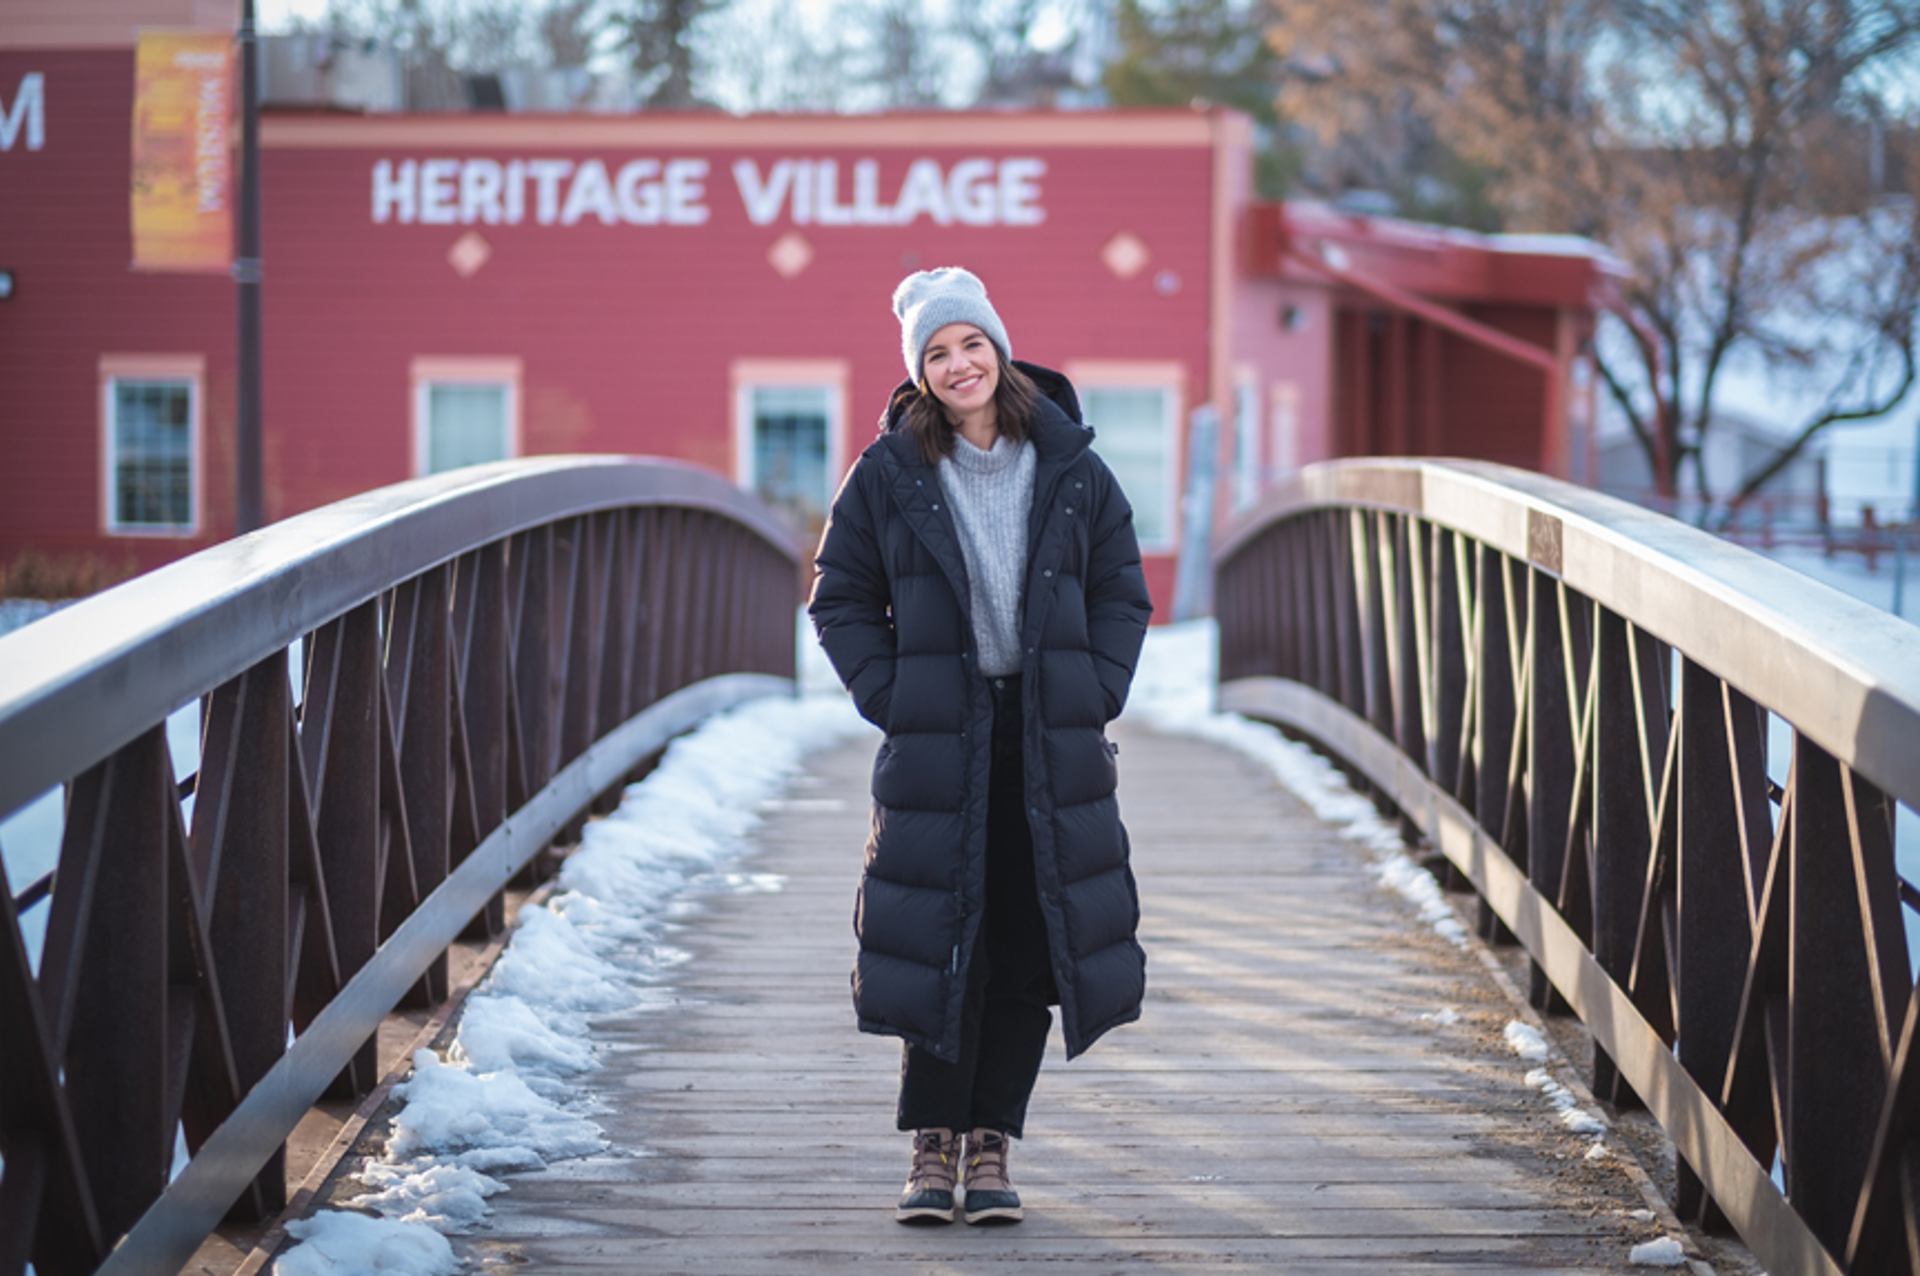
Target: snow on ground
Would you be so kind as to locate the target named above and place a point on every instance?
(1665, 1252)
(341, 1241)
(1819, 269)
(507, 1096)
(1419, 888)
(1525, 1040)
(1576, 1118)
(15, 612)
(1850, 574)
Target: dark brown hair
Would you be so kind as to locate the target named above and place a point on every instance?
(926, 417)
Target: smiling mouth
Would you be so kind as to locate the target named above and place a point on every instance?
(967, 383)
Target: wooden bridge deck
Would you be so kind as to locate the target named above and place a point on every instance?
(1282, 1106)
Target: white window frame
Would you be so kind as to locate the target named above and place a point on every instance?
(427, 371)
(190, 368)
(748, 375)
(1249, 478)
(1169, 376)
(1283, 430)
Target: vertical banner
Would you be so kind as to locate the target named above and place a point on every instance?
(183, 164)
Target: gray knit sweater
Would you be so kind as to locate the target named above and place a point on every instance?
(992, 494)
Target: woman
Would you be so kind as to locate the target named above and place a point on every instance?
(978, 590)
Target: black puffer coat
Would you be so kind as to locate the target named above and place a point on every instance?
(890, 603)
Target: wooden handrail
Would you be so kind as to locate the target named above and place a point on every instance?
(1576, 701)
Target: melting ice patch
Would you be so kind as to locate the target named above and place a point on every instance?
(1665, 1252)
(343, 1241)
(1525, 1040)
(552, 963)
(1418, 887)
(450, 1112)
(446, 1197)
(1576, 1118)
(501, 1033)
(507, 1097)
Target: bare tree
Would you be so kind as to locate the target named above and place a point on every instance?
(566, 31)
(999, 36)
(420, 31)
(904, 65)
(488, 35)
(1696, 138)
(893, 54)
(768, 55)
(471, 35)
(661, 41)
(410, 26)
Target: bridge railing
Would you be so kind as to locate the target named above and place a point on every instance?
(482, 655)
(1680, 774)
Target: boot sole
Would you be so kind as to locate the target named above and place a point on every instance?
(922, 1216)
(999, 1214)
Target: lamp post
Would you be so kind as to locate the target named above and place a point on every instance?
(246, 275)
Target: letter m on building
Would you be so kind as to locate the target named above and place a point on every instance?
(28, 110)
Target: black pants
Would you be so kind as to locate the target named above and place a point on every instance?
(1004, 1025)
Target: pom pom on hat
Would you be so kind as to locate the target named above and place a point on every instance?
(928, 300)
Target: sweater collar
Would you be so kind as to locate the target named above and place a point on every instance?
(1003, 457)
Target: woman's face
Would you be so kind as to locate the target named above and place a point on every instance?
(962, 368)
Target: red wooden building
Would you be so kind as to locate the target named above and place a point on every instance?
(441, 289)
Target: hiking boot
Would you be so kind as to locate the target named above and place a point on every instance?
(990, 1194)
(928, 1197)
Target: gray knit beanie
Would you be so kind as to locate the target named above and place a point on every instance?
(928, 300)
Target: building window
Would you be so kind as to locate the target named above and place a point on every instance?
(465, 412)
(787, 430)
(1246, 439)
(1284, 396)
(150, 410)
(1134, 410)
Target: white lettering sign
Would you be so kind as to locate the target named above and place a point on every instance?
(650, 192)
(210, 143)
(29, 111)
(974, 192)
